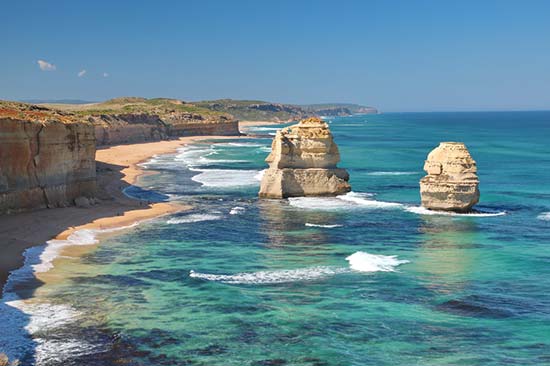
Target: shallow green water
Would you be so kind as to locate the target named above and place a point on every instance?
(255, 285)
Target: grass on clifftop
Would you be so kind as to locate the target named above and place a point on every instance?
(128, 105)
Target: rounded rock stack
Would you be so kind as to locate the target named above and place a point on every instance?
(452, 183)
(303, 162)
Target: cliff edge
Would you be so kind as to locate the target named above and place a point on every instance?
(47, 158)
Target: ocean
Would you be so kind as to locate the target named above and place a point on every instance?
(366, 278)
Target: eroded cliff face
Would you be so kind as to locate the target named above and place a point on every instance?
(47, 159)
(132, 120)
(303, 162)
(452, 183)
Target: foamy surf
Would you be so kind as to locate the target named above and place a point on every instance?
(351, 200)
(270, 277)
(29, 321)
(477, 213)
(358, 261)
(545, 216)
(227, 177)
(323, 226)
(366, 262)
(193, 218)
(237, 210)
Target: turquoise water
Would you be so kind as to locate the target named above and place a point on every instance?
(239, 281)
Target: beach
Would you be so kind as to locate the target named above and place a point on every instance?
(117, 168)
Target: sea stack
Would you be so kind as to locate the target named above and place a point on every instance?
(452, 183)
(303, 162)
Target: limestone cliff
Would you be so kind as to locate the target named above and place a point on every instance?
(452, 182)
(303, 162)
(133, 119)
(47, 158)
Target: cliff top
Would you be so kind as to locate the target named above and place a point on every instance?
(131, 105)
(33, 112)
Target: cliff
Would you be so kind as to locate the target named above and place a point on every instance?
(47, 158)
(303, 162)
(255, 110)
(132, 119)
(452, 182)
(338, 109)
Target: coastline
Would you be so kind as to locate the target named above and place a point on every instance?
(118, 168)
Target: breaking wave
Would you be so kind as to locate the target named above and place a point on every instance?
(350, 200)
(227, 177)
(545, 216)
(475, 213)
(324, 226)
(193, 218)
(237, 210)
(358, 261)
(271, 277)
(365, 262)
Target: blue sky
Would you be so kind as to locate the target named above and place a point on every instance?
(396, 55)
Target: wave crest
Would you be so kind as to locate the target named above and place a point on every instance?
(365, 262)
(476, 213)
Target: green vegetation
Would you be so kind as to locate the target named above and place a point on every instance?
(338, 109)
(136, 105)
(255, 110)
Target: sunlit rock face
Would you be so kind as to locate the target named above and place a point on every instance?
(452, 183)
(303, 162)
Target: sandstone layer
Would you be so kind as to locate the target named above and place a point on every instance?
(133, 119)
(452, 183)
(47, 158)
(303, 162)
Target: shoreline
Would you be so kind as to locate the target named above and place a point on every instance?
(117, 168)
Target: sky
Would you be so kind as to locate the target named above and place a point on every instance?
(408, 55)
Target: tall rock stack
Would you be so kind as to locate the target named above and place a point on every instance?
(303, 163)
(452, 182)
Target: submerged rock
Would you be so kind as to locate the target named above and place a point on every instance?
(303, 162)
(452, 182)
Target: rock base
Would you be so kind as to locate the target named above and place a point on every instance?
(283, 183)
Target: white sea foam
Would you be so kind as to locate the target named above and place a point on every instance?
(324, 226)
(226, 177)
(424, 211)
(545, 216)
(271, 277)
(193, 218)
(365, 262)
(260, 175)
(358, 261)
(351, 200)
(392, 173)
(237, 210)
(28, 317)
(266, 149)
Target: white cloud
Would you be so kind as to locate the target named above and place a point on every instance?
(105, 75)
(81, 73)
(46, 66)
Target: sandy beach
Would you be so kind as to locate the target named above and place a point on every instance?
(117, 168)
